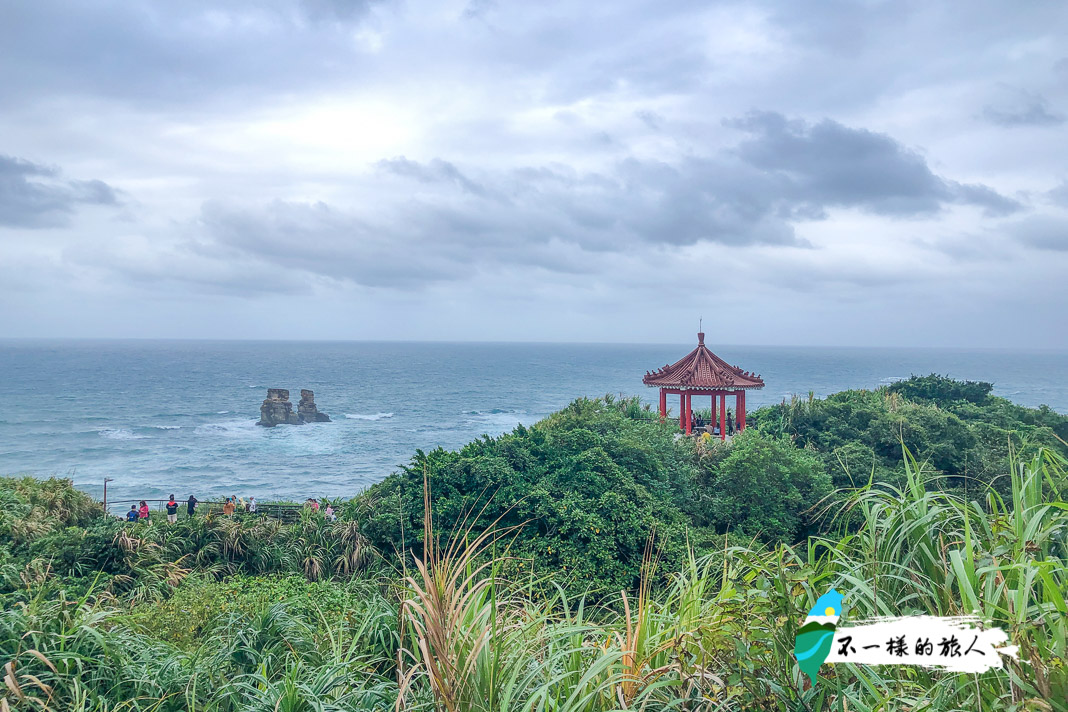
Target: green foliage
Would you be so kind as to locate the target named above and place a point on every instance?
(76, 546)
(763, 486)
(217, 614)
(716, 634)
(955, 426)
(942, 390)
(583, 490)
(191, 614)
(31, 508)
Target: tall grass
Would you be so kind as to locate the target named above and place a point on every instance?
(453, 636)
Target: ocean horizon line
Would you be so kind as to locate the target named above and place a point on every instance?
(4, 340)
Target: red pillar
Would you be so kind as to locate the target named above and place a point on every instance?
(682, 410)
(741, 410)
(713, 418)
(689, 414)
(663, 405)
(723, 416)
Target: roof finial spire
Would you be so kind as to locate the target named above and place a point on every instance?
(700, 331)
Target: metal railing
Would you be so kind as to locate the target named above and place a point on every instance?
(285, 512)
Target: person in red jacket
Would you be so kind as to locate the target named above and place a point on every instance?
(142, 513)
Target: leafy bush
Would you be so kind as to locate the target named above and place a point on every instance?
(966, 441)
(763, 486)
(942, 390)
(582, 491)
(716, 634)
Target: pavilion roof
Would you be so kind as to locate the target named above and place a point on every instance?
(702, 369)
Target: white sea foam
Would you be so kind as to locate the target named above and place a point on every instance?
(119, 434)
(498, 420)
(221, 412)
(167, 427)
(891, 379)
(229, 428)
(363, 416)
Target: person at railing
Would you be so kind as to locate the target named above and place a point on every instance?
(142, 513)
(228, 508)
(132, 515)
(191, 505)
(172, 510)
(251, 505)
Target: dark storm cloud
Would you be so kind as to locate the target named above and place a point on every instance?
(1044, 232)
(650, 118)
(343, 10)
(36, 196)
(477, 9)
(188, 55)
(435, 171)
(827, 164)
(318, 239)
(1059, 194)
(434, 221)
(497, 150)
(1035, 111)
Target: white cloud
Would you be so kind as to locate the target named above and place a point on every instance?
(845, 173)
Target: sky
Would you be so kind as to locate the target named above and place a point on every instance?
(833, 173)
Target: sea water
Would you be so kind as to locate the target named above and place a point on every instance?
(162, 417)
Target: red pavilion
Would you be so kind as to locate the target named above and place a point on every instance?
(702, 373)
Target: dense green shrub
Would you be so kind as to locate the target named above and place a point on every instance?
(583, 489)
(763, 486)
(717, 634)
(957, 427)
(942, 389)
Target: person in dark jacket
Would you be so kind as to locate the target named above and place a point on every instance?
(191, 505)
(172, 510)
(131, 516)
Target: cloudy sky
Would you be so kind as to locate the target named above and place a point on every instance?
(854, 173)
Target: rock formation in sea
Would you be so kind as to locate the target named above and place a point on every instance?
(277, 410)
(306, 410)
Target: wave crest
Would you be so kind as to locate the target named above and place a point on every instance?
(119, 434)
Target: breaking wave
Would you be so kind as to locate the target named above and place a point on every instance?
(229, 428)
(363, 416)
(120, 434)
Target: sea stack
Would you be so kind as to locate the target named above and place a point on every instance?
(277, 410)
(306, 410)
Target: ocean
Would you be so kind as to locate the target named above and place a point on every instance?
(162, 417)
